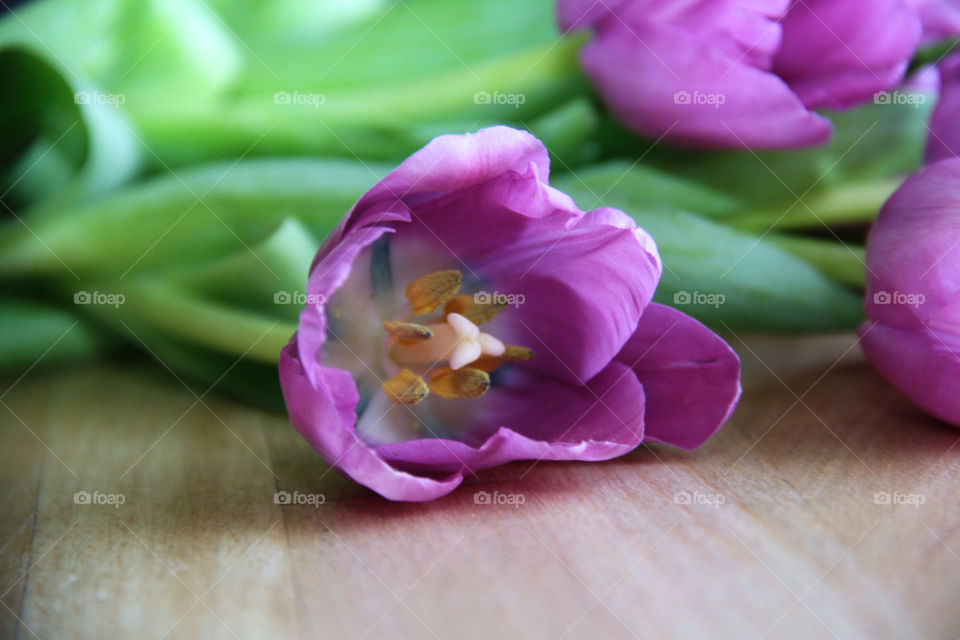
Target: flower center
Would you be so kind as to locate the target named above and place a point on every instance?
(449, 355)
(456, 340)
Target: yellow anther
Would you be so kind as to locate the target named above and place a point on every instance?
(428, 293)
(406, 388)
(459, 384)
(408, 332)
(475, 312)
(511, 354)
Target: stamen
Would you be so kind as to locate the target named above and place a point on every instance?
(475, 312)
(406, 388)
(451, 351)
(459, 384)
(407, 332)
(511, 353)
(428, 293)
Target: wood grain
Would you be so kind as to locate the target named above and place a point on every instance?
(782, 536)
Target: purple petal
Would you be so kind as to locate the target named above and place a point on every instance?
(690, 376)
(914, 249)
(575, 14)
(326, 277)
(840, 53)
(940, 18)
(453, 162)
(534, 417)
(568, 267)
(702, 80)
(324, 414)
(923, 363)
(944, 139)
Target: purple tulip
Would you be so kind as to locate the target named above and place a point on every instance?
(742, 73)
(944, 139)
(940, 18)
(912, 335)
(465, 314)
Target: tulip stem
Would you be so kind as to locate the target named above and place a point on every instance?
(851, 203)
(841, 262)
(241, 333)
(379, 122)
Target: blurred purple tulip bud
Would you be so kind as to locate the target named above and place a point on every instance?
(744, 73)
(912, 334)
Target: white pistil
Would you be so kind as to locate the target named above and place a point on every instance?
(457, 340)
(471, 343)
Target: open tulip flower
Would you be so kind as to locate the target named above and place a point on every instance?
(912, 335)
(465, 314)
(746, 73)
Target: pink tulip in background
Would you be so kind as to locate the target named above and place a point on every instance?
(739, 73)
(912, 335)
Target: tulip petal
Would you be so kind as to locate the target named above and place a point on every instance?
(575, 14)
(690, 376)
(920, 363)
(534, 417)
(696, 88)
(324, 414)
(839, 54)
(325, 279)
(940, 18)
(944, 139)
(574, 285)
(913, 249)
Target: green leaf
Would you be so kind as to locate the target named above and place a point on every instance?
(190, 218)
(269, 277)
(34, 333)
(61, 139)
(726, 278)
(872, 146)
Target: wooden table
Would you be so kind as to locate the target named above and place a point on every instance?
(775, 529)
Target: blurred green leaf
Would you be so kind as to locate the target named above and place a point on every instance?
(726, 278)
(268, 277)
(872, 145)
(59, 141)
(35, 333)
(240, 78)
(193, 217)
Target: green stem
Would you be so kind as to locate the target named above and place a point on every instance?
(376, 123)
(240, 333)
(843, 263)
(851, 203)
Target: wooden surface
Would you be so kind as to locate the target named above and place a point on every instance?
(782, 536)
